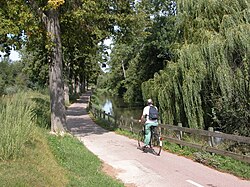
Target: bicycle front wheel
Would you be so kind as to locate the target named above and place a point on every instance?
(156, 144)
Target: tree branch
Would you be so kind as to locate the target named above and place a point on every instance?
(33, 4)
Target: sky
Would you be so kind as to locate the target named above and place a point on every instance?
(14, 55)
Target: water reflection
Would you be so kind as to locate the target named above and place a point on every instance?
(107, 107)
(118, 108)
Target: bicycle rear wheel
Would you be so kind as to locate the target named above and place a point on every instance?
(140, 139)
(156, 144)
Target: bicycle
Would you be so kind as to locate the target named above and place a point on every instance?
(155, 144)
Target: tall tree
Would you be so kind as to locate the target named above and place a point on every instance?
(207, 84)
(84, 24)
(142, 47)
(49, 14)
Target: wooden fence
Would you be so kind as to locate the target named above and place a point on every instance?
(209, 141)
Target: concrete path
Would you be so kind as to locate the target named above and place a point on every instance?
(132, 166)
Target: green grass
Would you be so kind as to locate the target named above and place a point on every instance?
(84, 168)
(44, 159)
(37, 166)
(17, 124)
(55, 161)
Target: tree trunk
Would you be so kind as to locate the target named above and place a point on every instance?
(58, 118)
(83, 84)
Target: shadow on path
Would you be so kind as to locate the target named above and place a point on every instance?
(78, 121)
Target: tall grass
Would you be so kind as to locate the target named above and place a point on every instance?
(17, 124)
(41, 159)
(42, 109)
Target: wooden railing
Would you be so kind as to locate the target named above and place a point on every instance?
(209, 141)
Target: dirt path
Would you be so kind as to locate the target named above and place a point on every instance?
(135, 168)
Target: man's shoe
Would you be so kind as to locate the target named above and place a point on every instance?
(145, 147)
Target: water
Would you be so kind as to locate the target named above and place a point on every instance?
(116, 107)
(108, 107)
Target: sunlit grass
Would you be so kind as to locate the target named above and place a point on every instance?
(36, 167)
(30, 156)
(17, 124)
(84, 168)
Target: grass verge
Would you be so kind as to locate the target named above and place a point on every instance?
(55, 161)
(37, 166)
(84, 168)
(32, 157)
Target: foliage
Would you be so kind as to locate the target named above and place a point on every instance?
(207, 83)
(20, 114)
(13, 15)
(40, 26)
(41, 109)
(12, 78)
(35, 67)
(84, 26)
(143, 49)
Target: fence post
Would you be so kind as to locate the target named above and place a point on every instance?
(93, 110)
(90, 103)
(179, 136)
(131, 124)
(180, 132)
(211, 138)
(104, 115)
(116, 124)
(121, 121)
(162, 131)
(108, 117)
(100, 113)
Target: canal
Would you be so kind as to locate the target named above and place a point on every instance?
(117, 107)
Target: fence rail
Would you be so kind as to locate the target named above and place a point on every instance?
(236, 138)
(211, 136)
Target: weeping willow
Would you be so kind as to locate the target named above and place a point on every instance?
(212, 69)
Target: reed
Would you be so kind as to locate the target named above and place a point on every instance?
(17, 124)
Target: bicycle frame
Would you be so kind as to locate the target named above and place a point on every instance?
(155, 140)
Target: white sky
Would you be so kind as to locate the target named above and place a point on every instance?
(14, 55)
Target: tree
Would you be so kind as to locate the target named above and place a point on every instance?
(50, 19)
(47, 12)
(41, 21)
(142, 47)
(207, 84)
(12, 78)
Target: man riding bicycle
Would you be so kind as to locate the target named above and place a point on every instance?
(149, 118)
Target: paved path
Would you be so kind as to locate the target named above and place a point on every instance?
(132, 166)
